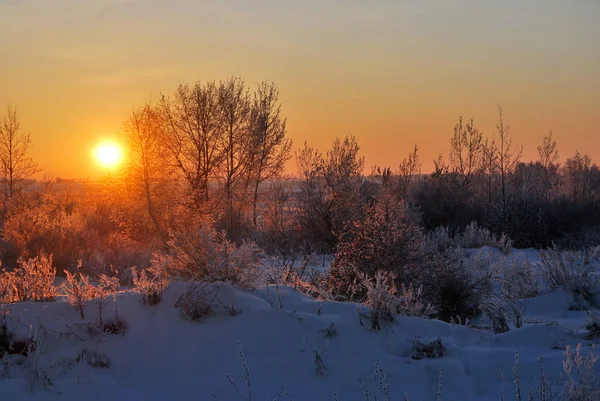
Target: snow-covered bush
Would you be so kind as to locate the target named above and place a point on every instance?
(93, 358)
(385, 239)
(426, 350)
(457, 286)
(204, 254)
(518, 278)
(593, 327)
(569, 270)
(194, 303)
(151, 283)
(473, 236)
(381, 299)
(106, 286)
(78, 290)
(33, 280)
(582, 381)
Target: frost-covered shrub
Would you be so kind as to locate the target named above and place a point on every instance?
(381, 300)
(93, 358)
(593, 327)
(385, 239)
(204, 254)
(473, 236)
(457, 286)
(582, 381)
(411, 302)
(194, 304)
(151, 283)
(518, 278)
(78, 290)
(42, 227)
(33, 280)
(569, 270)
(426, 350)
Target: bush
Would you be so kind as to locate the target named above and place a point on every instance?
(593, 327)
(582, 382)
(457, 286)
(79, 290)
(152, 282)
(380, 299)
(386, 239)
(426, 350)
(32, 280)
(569, 270)
(473, 236)
(203, 254)
(193, 304)
(93, 358)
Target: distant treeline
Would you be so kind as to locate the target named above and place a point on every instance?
(213, 153)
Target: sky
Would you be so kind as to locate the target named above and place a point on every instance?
(391, 73)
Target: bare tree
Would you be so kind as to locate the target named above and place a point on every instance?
(548, 159)
(465, 150)
(149, 170)
(508, 159)
(489, 166)
(409, 168)
(271, 148)
(193, 121)
(236, 143)
(16, 163)
(577, 171)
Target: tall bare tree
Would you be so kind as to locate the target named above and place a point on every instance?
(465, 150)
(489, 166)
(16, 164)
(149, 170)
(508, 159)
(548, 159)
(236, 143)
(271, 148)
(409, 168)
(194, 128)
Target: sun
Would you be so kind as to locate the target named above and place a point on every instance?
(108, 154)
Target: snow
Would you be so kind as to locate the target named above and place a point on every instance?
(164, 357)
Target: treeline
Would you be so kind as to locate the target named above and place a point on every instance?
(207, 161)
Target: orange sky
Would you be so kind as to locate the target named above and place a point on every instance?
(392, 73)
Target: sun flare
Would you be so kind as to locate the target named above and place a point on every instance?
(108, 154)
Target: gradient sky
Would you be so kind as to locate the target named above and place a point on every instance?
(392, 73)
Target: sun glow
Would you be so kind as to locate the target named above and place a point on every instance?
(108, 154)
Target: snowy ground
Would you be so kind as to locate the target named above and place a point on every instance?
(164, 357)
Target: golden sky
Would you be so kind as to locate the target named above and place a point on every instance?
(392, 73)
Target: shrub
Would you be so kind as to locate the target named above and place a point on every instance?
(593, 327)
(380, 299)
(457, 286)
(114, 326)
(518, 278)
(193, 304)
(426, 350)
(473, 236)
(582, 381)
(32, 280)
(106, 286)
(93, 358)
(385, 239)
(203, 254)
(79, 290)
(569, 270)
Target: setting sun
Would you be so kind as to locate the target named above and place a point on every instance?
(108, 154)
